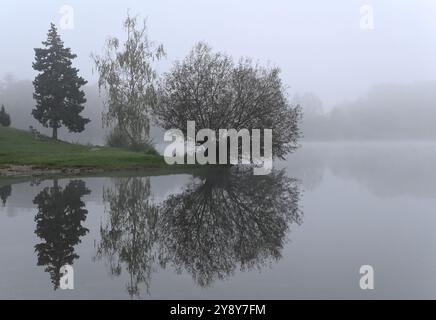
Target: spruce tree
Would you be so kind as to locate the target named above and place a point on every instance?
(58, 94)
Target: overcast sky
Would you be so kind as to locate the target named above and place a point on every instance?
(319, 45)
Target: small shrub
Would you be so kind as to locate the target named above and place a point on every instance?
(146, 147)
(117, 139)
(5, 119)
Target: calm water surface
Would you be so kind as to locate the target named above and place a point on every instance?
(302, 232)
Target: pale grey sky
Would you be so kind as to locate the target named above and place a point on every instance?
(318, 44)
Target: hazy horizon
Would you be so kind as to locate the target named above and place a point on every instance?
(320, 47)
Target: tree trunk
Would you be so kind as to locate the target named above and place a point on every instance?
(55, 133)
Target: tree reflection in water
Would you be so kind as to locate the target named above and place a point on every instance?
(61, 213)
(225, 220)
(129, 237)
(5, 193)
(228, 220)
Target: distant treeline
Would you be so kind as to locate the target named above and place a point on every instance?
(386, 112)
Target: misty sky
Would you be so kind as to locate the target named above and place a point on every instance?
(318, 44)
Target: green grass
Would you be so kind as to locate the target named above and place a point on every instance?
(22, 149)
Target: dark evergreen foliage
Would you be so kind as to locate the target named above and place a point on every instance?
(58, 94)
(5, 193)
(5, 119)
(61, 213)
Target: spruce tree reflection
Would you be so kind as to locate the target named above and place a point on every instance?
(5, 193)
(128, 240)
(61, 213)
(228, 220)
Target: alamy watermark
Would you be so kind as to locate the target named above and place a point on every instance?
(66, 281)
(66, 21)
(222, 148)
(367, 18)
(367, 278)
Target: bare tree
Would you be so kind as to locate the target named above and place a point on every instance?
(217, 93)
(128, 77)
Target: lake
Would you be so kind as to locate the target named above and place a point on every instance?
(302, 232)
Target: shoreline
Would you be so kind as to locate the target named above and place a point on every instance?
(23, 173)
(15, 171)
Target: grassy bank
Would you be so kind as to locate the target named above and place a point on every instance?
(20, 148)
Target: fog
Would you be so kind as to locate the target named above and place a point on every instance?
(353, 83)
(385, 112)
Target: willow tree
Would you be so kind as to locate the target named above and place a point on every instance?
(128, 79)
(129, 238)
